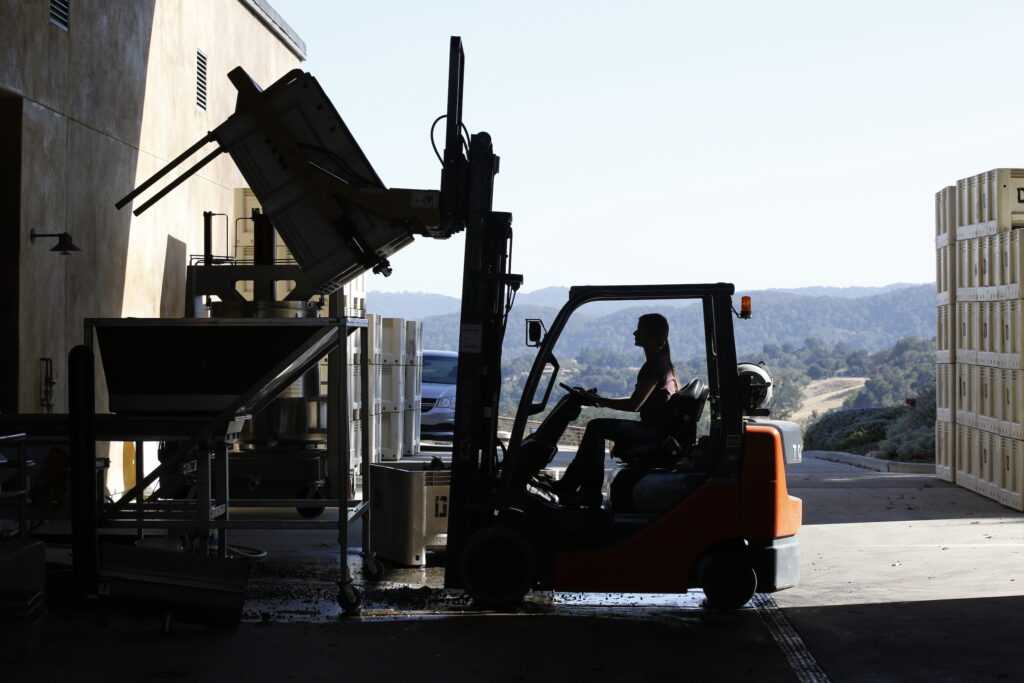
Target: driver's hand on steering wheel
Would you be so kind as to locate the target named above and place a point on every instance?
(588, 397)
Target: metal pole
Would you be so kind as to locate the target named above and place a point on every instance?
(179, 180)
(82, 440)
(140, 498)
(366, 413)
(23, 488)
(207, 238)
(223, 496)
(203, 497)
(164, 171)
(262, 254)
(338, 415)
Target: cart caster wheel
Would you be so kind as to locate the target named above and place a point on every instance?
(728, 579)
(310, 513)
(373, 570)
(499, 567)
(349, 600)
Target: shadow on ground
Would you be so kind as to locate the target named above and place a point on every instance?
(930, 641)
(641, 645)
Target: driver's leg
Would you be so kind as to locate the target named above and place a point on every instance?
(589, 455)
(621, 432)
(586, 471)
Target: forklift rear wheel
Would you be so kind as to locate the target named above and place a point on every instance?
(310, 513)
(499, 567)
(729, 580)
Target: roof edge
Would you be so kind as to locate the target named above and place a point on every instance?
(269, 17)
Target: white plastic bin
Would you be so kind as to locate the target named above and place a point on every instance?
(413, 342)
(411, 421)
(391, 443)
(408, 511)
(392, 341)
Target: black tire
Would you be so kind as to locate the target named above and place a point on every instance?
(499, 567)
(310, 513)
(729, 580)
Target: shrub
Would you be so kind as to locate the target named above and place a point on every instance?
(896, 432)
(855, 431)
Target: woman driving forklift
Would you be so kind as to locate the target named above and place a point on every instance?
(655, 384)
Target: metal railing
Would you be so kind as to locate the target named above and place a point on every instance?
(572, 436)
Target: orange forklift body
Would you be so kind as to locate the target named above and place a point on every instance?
(662, 557)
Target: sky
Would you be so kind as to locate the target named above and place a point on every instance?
(780, 144)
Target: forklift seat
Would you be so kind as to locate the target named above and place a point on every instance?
(685, 408)
(661, 490)
(653, 490)
(651, 483)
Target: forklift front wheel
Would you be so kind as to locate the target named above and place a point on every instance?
(499, 567)
(728, 579)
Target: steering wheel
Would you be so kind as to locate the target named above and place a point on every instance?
(584, 397)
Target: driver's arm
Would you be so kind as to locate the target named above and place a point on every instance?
(630, 404)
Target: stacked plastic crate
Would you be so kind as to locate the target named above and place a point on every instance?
(392, 394)
(946, 332)
(980, 425)
(371, 419)
(411, 409)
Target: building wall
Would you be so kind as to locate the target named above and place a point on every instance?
(104, 105)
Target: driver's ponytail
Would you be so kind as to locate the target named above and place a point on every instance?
(656, 326)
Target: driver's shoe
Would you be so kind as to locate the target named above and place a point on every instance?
(581, 499)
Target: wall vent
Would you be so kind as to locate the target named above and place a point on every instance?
(200, 80)
(60, 13)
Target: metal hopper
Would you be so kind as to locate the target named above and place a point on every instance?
(206, 366)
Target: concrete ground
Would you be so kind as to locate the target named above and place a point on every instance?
(904, 578)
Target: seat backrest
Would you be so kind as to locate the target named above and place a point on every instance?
(681, 414)
(686, 406)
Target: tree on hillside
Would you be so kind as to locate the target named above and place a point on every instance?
(907, 370)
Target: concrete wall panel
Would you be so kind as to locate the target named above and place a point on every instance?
(97, 166)
(108, 63)
(228, 34)
(41, 319)
(34, 61)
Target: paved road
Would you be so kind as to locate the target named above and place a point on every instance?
(904, 578)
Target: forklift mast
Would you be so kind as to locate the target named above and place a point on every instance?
(467, 189)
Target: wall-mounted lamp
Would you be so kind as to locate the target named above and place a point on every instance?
(64, 244)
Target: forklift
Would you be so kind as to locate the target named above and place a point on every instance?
(712, 512)
(709, 511)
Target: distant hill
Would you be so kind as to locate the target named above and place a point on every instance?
(869, 323)
(419, 305)
(845, 292)
(410, 305)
